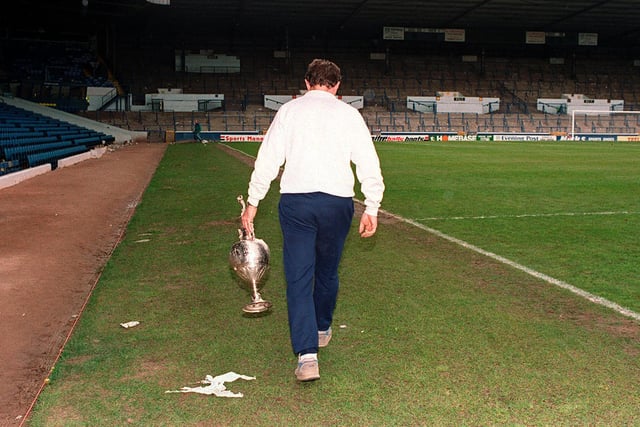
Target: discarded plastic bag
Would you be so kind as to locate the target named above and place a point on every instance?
(215, 385)
(131, 324)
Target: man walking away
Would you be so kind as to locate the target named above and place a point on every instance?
(317, 137)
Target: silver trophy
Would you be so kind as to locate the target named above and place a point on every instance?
(249, 258)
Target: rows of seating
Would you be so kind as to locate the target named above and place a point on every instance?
(9, 166)
(525, 79)
(52, 63)
(22, 152)
(29, 139)
(53, 156)
(518, 82)
(378, 118)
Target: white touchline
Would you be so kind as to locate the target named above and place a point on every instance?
(541, 215)
(584, 294)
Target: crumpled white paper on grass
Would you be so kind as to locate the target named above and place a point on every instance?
(215, 385)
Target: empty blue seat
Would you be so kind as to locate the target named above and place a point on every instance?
(29, 139)
(54, 155)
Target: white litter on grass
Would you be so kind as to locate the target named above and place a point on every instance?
(131, 324)
(215, 385)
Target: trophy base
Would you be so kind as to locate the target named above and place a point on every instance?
(257, 307)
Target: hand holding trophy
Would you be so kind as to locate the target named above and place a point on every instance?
(249, 258)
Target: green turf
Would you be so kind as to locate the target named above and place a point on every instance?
(426, 332)
(565, 209)
(569, 210)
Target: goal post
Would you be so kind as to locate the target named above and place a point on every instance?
(594, 113)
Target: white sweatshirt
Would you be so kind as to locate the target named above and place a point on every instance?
(317, 137)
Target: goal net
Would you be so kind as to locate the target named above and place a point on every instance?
(614, 122)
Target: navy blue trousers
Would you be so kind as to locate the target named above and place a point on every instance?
(314, 229)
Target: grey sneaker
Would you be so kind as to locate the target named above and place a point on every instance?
(307, 370)
(324, 337)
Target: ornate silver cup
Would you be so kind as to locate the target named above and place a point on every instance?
(249, 258)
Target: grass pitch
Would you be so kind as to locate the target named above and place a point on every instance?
(427, 332)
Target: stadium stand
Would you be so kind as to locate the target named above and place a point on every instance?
(55, 74)
(517, 81)
(520, 83)
(29, 139)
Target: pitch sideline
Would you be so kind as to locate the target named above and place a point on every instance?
(580, 292)
(540, 215)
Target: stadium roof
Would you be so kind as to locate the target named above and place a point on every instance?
(615, 21)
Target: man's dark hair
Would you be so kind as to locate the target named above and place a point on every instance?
(322, 72)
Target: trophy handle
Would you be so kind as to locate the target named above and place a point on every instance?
(240, 200)
(243, 234)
